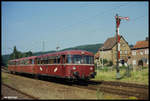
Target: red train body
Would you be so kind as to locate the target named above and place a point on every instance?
(72, 64)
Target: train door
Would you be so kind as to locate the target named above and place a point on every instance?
(63, 61)
(34, 69)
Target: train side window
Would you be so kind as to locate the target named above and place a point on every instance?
(57, 61)
(63, 57)
(46, 60)
(40, 61)
(21, 62)
(51, 61)
(32, 61)
(16, 62)
(26, 62)
(69, 59)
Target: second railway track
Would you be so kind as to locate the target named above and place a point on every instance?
(120, 88)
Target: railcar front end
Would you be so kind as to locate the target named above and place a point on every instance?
(80, 67)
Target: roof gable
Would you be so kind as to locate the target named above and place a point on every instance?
(110, 43)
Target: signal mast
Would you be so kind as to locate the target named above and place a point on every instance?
(118, 20)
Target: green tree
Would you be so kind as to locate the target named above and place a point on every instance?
(16, 54)
(105, 61)
(27, 54)
(110, 63)
(30, 53)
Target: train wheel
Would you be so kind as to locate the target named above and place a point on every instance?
(10, 72)
(36, 76)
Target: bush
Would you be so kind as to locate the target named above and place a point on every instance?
(105, 61)
(122, 67)
(110, 63)
(105, 69)
(144, 67)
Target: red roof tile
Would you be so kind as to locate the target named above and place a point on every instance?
(141, 44)
(109, 43)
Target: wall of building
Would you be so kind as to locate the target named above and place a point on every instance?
(125, 51)
(140, 54)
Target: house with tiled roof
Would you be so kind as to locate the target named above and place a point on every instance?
(108, 50)
(140, 53)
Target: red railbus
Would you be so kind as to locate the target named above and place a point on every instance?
(22, 65)
(71, 64)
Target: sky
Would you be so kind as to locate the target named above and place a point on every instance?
(42, 26)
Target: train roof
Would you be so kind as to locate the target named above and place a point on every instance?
(71, 52)
(24, 58)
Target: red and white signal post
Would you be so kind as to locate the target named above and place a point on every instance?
(118, 20)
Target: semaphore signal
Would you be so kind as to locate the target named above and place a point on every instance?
(118, 20)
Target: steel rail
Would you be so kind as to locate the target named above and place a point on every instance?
(19, 91)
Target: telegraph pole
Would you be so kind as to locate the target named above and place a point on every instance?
(57, 53)
(43, 46)
(118, 19)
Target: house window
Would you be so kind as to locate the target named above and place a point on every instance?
(125, 52)
(134, 62)
(146, 51)
(141, 53)
(133, 52)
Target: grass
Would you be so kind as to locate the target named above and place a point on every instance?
(5, 79)
(99, 94)
(140, 77)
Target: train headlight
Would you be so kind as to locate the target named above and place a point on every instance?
(91, 68)
(74, 68)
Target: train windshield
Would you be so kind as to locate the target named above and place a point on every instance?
(80, 59)
(88, 59)
(77, 59)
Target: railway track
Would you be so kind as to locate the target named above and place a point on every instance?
(119, 88)
(9, 92)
